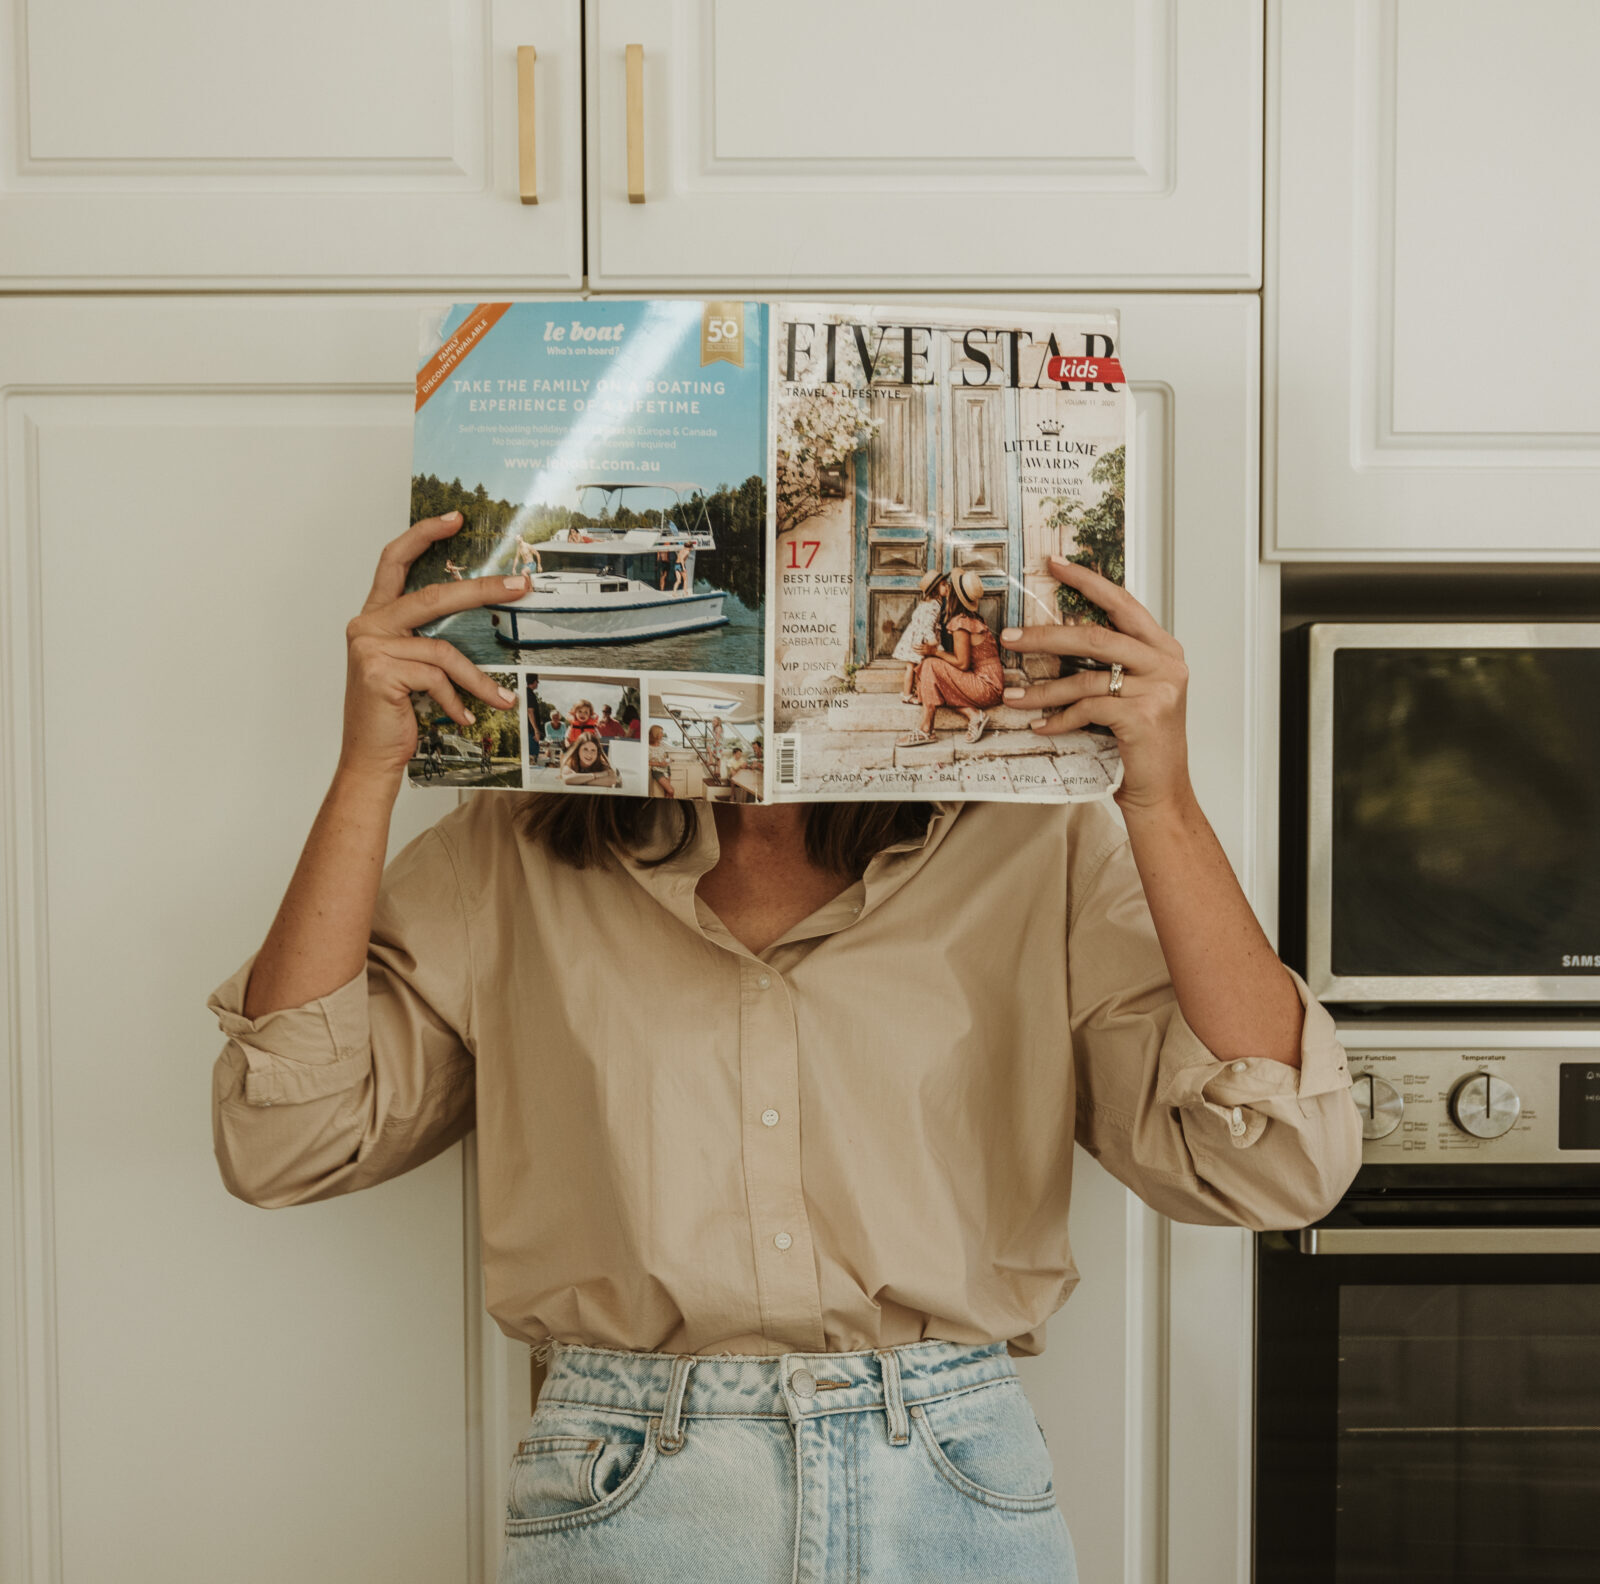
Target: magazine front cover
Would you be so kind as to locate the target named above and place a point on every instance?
(616, 452)
(925, 463)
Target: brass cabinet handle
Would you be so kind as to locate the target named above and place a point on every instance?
(636, 123)
(527, 165)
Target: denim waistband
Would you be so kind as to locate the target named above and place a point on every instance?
(796, 1386)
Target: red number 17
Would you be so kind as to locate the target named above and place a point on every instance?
(810, 545)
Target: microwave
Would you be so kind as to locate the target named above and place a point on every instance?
(1452, 811)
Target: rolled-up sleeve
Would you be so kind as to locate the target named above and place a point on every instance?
(366, 1082)
(1227, 1138)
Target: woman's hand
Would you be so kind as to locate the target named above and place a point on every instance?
(929, 648)
(388, 663)
(1146, 717)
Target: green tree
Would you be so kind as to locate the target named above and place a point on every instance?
(1100, 534)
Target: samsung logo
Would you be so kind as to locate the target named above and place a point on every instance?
(1581, 960)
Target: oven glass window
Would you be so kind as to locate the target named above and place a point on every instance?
(1468, 1434)
(1466, 812)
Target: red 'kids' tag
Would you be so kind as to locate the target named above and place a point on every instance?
(1093, 370)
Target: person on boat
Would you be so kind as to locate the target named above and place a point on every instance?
(555, 729)
(660, 764)
(583, 720)
(610, 726)
(681, 575)
(585, 763)
(781, 1198)
(458, 573)
(968, 676)
(527, 557)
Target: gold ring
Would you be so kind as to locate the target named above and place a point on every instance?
(1114, 686)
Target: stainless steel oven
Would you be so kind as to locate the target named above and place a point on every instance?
(1428, 1357)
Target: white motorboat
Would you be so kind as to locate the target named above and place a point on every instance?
(594, 584)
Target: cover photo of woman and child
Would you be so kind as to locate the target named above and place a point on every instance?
(584, 731)
(951, 655)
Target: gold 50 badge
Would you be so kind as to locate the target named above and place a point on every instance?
(722, 334)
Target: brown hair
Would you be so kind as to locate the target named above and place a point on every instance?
(840, 837)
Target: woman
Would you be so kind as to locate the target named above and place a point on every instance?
(585, 764)
(660, 764)
(780, 1215)
(968, 676)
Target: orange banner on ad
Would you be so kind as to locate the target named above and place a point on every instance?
(466, 336)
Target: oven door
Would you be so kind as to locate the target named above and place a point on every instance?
(1428, 1405)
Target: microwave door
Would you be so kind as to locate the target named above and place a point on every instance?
(1453, 821)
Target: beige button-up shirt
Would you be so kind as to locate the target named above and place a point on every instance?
(859, 1137)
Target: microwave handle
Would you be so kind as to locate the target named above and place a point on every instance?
(1450, 1240)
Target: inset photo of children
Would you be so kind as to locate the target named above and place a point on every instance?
(705, 740)
(487, 753)
(584, 731)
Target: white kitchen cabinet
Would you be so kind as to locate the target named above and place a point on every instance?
(926, 144)
(1432, 327)
(195, 493)
(187, 144)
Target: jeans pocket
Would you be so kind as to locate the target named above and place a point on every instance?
(577, 1473)
(987, 1443)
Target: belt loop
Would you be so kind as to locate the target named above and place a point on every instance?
(670, 1437)
(893, 1402)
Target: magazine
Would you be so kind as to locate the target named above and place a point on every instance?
(770, 547)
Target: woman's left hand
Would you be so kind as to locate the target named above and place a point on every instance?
(1146, 716)
(929, 648)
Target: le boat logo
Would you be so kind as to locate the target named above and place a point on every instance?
(1581, 960)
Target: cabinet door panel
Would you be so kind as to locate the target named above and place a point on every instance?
(927, 143)
(196, 491)
(190, 144)
(1433, 195)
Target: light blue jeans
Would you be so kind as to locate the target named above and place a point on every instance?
(920, 1464)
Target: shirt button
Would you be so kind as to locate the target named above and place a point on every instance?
(764, 981)
(1239, 1066)
(783, 1240)
(1236, 1121)
(770, 1117)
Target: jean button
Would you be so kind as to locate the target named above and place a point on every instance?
(803, 1383)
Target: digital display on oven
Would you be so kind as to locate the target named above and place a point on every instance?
(1465, 835)
(1580, 1105)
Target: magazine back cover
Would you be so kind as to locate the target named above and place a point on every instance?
(614, 451)
(925, 463)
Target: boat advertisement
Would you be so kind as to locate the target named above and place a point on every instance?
(613, 452)
(775, 551)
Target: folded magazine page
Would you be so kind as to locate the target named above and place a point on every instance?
(925, 464)
(616, 452)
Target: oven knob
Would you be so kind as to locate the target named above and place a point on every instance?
(1379, 1103)
(1484, 1106)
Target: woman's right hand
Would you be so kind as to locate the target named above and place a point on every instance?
(388, 663)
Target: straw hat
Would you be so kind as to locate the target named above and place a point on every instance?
(927, 580)
(969, 588)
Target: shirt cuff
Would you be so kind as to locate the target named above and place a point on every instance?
(296, 1053)
(1229, 1087)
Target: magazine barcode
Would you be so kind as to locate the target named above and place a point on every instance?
(789, 761)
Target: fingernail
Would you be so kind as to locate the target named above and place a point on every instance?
(472, 720)
(1037, 725)
(1015, 692)
(450, 516)
(1010, 635)
(507, 696)
(520, 581)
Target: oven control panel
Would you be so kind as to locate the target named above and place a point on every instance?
(1449, 1104)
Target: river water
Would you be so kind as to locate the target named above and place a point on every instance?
(735, 649)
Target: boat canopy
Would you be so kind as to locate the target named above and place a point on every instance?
(711, 706)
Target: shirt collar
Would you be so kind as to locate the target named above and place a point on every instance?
(672, 883)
